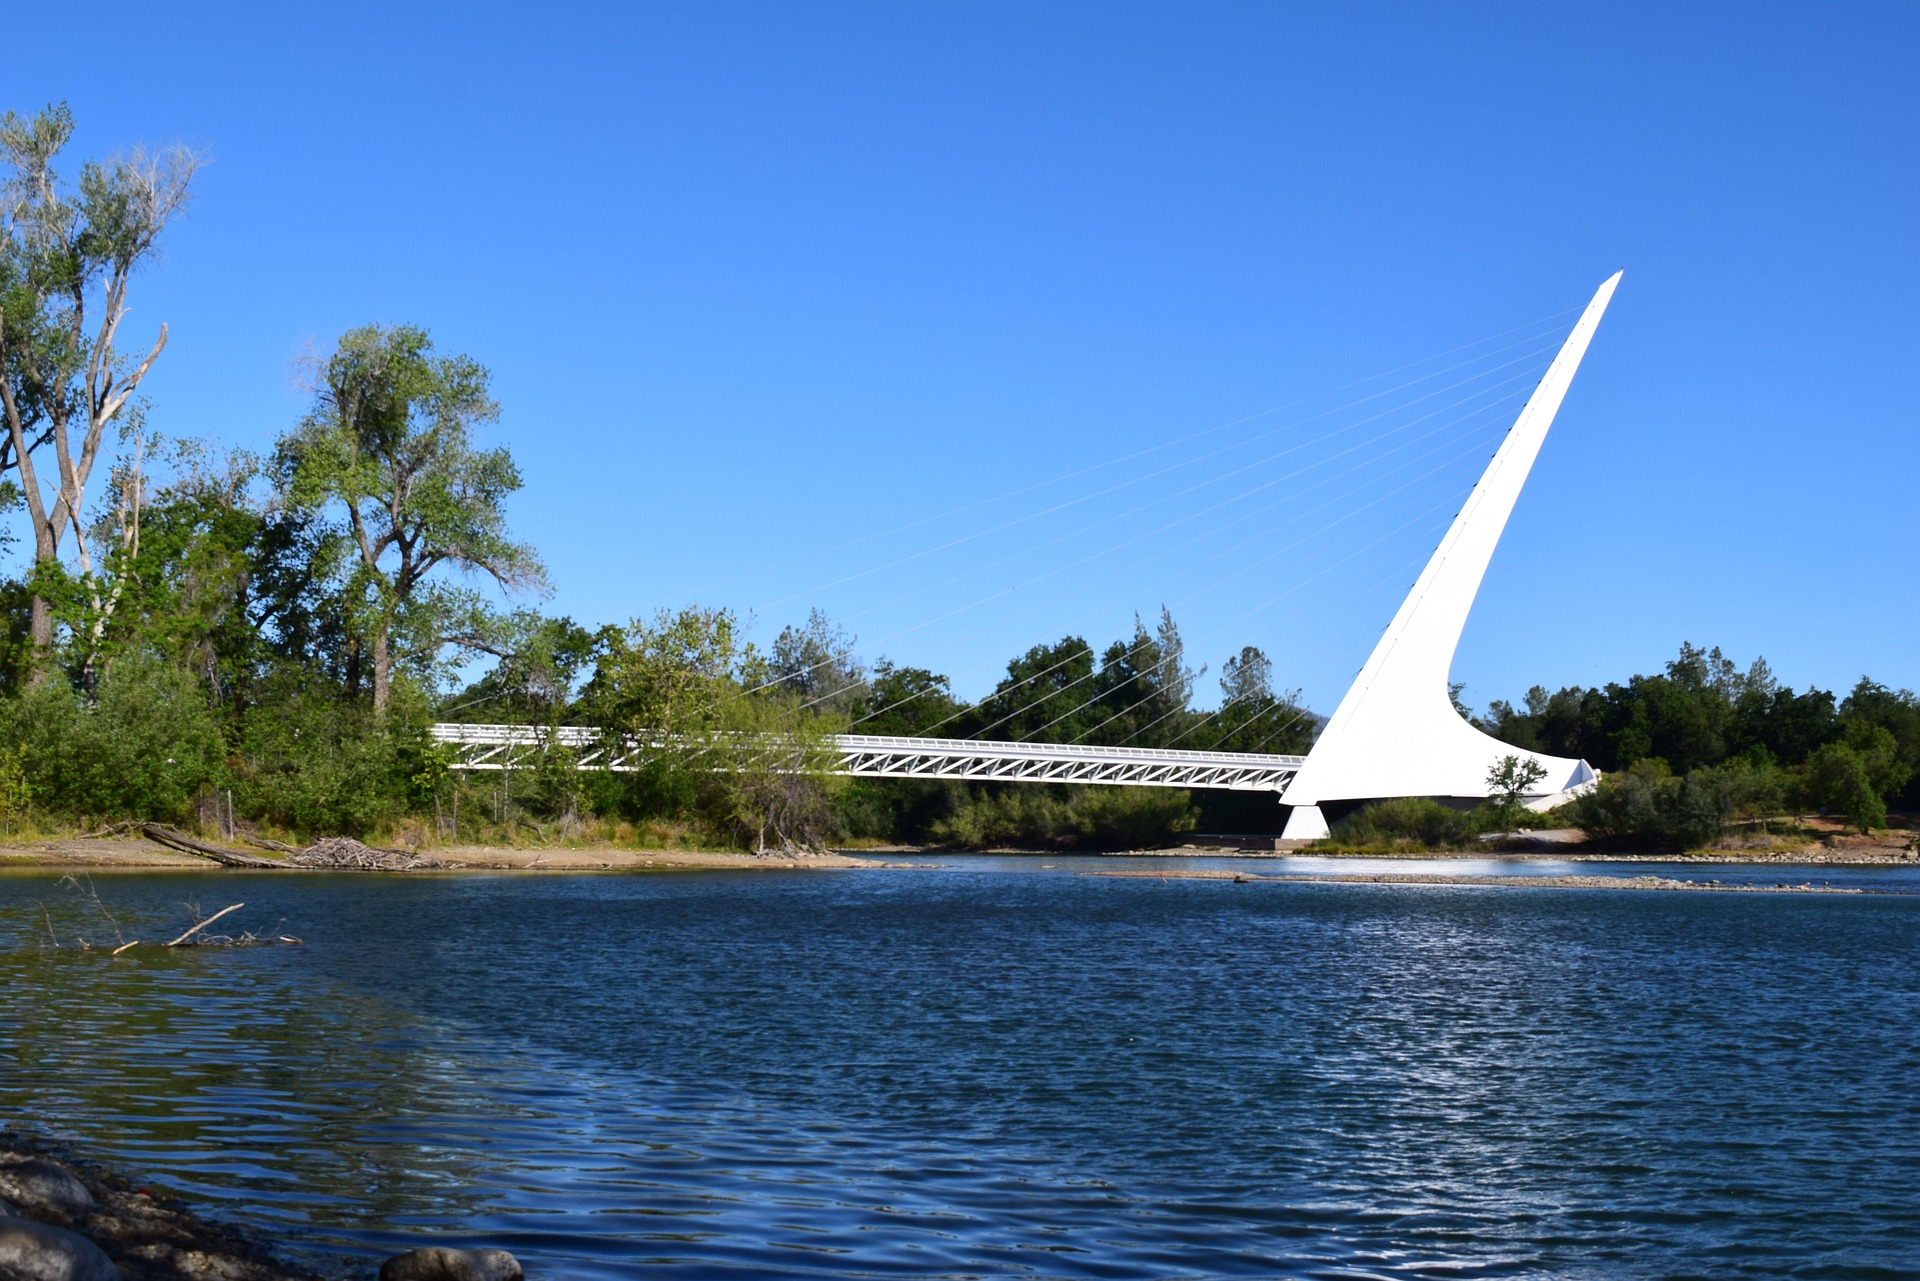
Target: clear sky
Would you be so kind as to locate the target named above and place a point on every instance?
(760, 282)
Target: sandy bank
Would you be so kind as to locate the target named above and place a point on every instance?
(143, 855)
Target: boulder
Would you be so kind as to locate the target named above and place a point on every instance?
(41, 1252)
(443, 1263)
(40, 1186)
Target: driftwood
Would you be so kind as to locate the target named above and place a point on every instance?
(204, 924)
(329, 853)
(178, 840)
(343, 853)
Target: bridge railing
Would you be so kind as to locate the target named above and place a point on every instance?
(495, 747)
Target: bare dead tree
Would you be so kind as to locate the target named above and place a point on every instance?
(68, 254)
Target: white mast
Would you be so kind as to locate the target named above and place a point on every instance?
(1396, 733)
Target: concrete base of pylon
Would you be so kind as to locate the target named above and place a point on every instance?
(1304, 823)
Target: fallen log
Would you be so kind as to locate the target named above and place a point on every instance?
(172, 839)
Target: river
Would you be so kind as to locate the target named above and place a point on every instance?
(1001, 1068)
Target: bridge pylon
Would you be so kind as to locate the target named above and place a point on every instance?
(1396, 732)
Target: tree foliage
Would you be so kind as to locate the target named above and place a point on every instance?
(387, 452)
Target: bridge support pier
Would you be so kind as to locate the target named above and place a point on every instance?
(1304, 823)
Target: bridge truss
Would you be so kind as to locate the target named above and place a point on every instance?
(498, 747)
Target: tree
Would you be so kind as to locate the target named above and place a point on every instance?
(817, 662)
(1840, 778)
(908, 701)
(1246, 677)
(1251, 717)
(1897, 712)
(541, 661)
(389, 443)
(771, 774)
(667, 675)
(1143, 689)
(1041, 698)
(175, 582)
(67, 258)
(720, 736)
(15, 790)
(1509, 781)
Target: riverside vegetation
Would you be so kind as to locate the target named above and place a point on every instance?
(213, 636)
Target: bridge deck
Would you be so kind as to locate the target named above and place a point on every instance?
(493, 747)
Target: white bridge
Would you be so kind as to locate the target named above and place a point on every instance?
(1395, 733)
(498, 747)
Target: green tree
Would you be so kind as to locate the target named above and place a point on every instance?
(1898, 713)
(1251, 717)
(771, 772)
(177, 581)
(1043, 696)
(1246, 677)
(1840, 779)
(389, 445)
(665, 682)
(718, 735)
(68, 255)
(1509, 782)
(817, 662)
(16, 792)
(906, 701)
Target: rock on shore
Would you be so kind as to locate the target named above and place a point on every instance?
(76, 1221)
(65, 1219)
(35, 1251)
(439, 1263)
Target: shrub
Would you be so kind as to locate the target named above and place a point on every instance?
(1648, 806)
(144, 748)
(321, 766)
(1404, 821)
(1067, 818)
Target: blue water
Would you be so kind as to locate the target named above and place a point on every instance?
(1000, 1068)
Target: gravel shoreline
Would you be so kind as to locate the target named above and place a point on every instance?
(1529, 882)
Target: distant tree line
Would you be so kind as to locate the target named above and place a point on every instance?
(1707, 743)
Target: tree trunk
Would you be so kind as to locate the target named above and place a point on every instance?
(40, 627)
(382, 672)
(42, 633)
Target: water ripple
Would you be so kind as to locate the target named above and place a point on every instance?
(997, 1073)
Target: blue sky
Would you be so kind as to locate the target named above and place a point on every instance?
(770, 289)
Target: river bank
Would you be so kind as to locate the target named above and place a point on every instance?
(1892, 849)
(146, 1236)
(137, 854)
